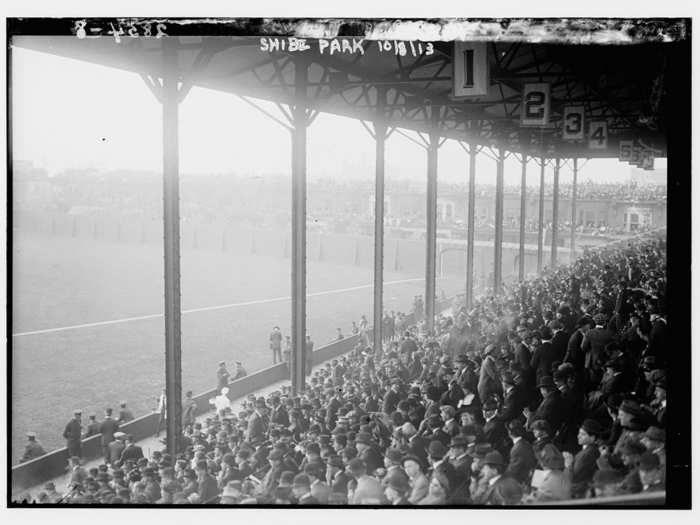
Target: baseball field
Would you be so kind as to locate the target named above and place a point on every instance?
(87, 329)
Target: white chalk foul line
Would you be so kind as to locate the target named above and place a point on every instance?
(205, 309)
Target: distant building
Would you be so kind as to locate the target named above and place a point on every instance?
(31, 186)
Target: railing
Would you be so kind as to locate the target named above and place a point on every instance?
(627, 500)
(53, 464)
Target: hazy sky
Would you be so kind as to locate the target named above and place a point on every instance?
(70, 114)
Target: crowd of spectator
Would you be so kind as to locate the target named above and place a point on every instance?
(551, 391)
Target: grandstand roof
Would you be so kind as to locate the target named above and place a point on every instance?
(623, 82)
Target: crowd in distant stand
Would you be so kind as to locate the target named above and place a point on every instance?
(553, 390)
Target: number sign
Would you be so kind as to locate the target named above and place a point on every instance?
(636, 157)
(598, 135)
(535, 105)
(470, 68)
(573, 124)
(625, 150)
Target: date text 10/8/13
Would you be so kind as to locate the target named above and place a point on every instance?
(346, 45)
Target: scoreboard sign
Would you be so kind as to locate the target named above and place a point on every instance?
(625, 150)
(598, 134)
(636, 157)
(470, 68)
(647, 160)
(636, 154)
(573, 125)
(535, 105)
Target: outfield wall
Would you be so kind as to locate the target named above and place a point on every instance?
(400, 255)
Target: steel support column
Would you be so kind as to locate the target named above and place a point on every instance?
(523, 216)
(574, 197)
(540, 221)
(380, 129)
(171, 247)
(299, 119)
(471, 212)
(498, 240)
(555, 213)
(431, 231)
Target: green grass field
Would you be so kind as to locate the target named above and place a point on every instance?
(60, 282)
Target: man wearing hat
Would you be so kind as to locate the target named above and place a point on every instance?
(574, 353)
(93, 427)
(631, 453)
(240, 371)
(514, 399)
(654, 439)
(301, 488)
(492, 470)
(613, 381)
(466, 376)
(125, 415)
(522, 457)
(631, 418)
(367, 452)
(189, 408)
(594, 344)
(584, 464)
(556, 483)
(276, 344)
(73, 434)
(53, 495)
(397, 491)
(152, 490)
(320, 490)
(283, 491)
(78, 474)
(658, 405)
(415, 444)
(336, 476)
(278, 413)
(257, 422)
(368, 491)
(560, 338)
(551, 409)
(207, 488)
(269, 482)
(606, 483)
(32, 449)
(222, 376)
(450, 427)
(107, 428)
(392, 397)
(131, 450)
(544, 355)
(190, 485)
(495, 429)
(506, 492)
(116, 447)
(489, 382)
(436, 453)
(392, 464)
(461, 462)
(542, 432)
(650, 473)
(417, 479)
